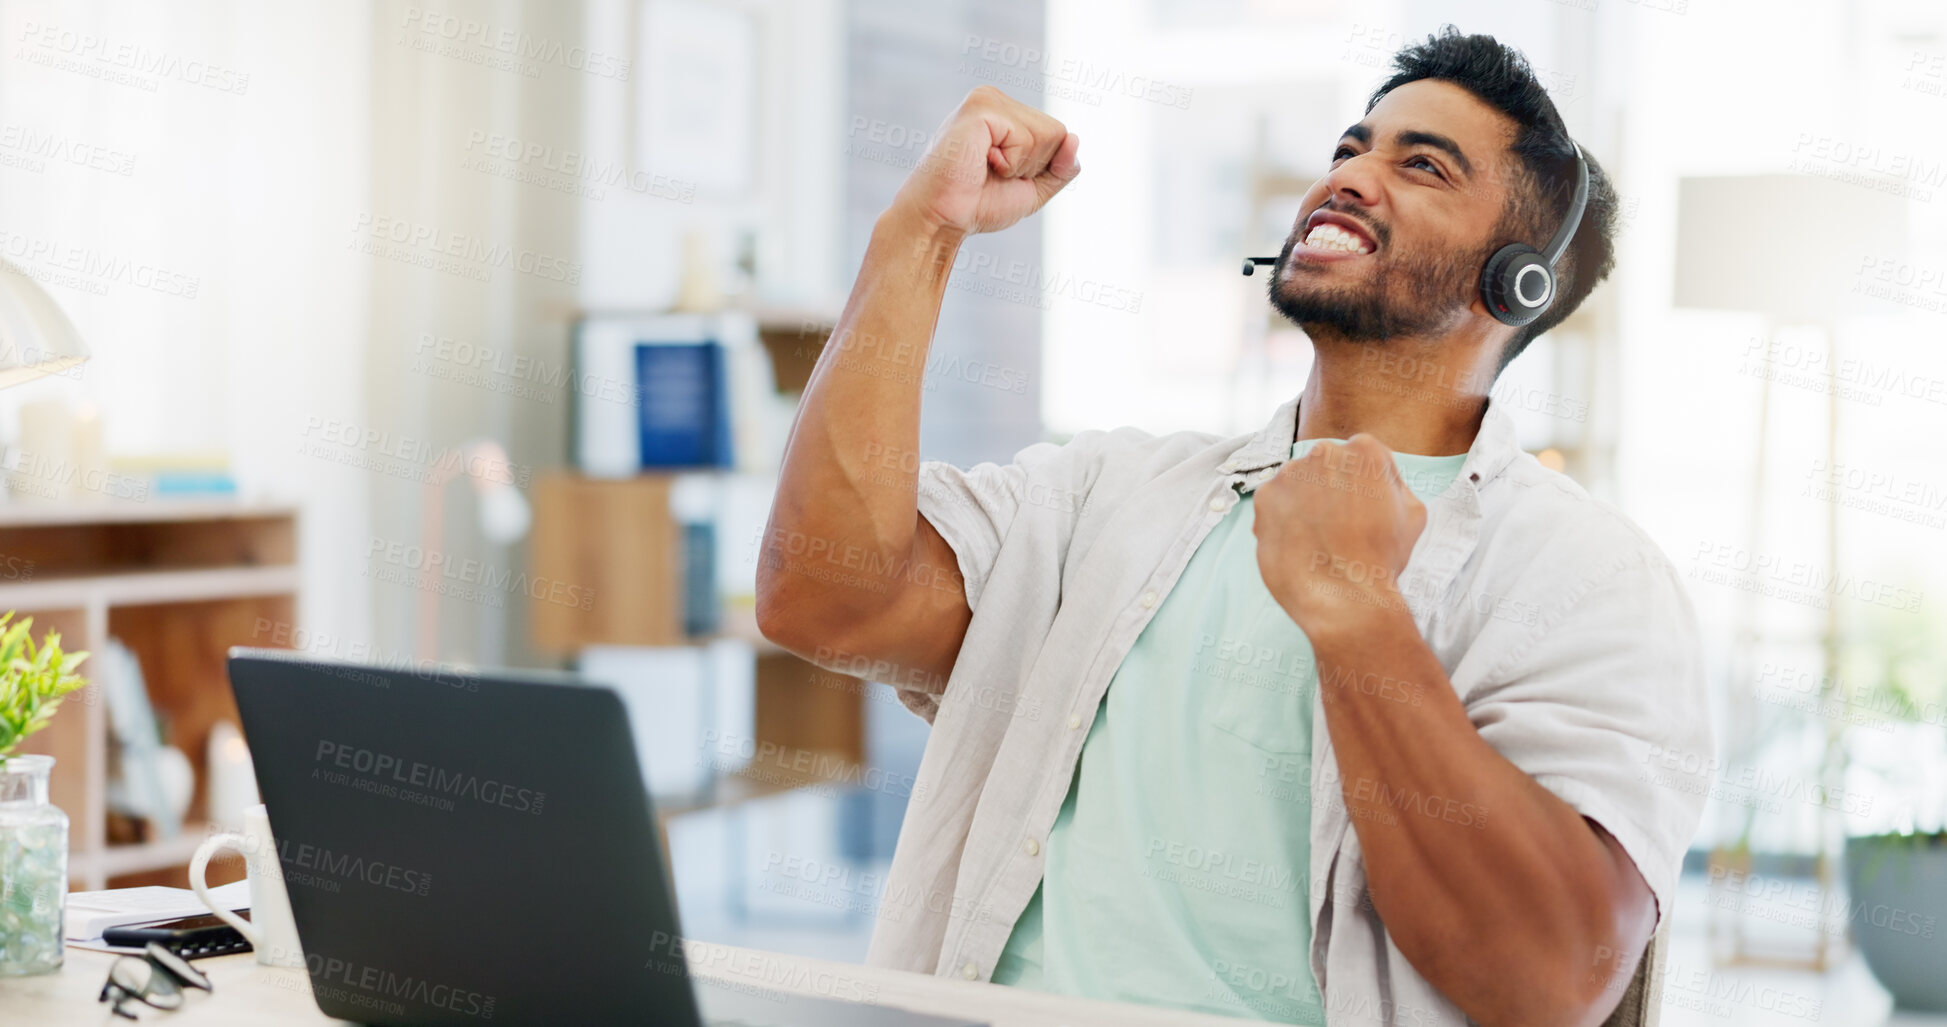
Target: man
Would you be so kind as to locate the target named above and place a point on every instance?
(1351, 720)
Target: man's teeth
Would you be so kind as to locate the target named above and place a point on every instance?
(1331, 237)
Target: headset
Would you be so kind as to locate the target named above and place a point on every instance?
(1518, 281)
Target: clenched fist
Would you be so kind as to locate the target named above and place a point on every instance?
(1334, 529)
(993, 162)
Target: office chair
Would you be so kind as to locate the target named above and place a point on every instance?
(1642, 1004)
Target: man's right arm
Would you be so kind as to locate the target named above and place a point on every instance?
(847, 563)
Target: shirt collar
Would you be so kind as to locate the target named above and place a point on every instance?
(1494, 447)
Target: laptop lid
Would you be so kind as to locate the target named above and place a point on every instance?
(463, 847)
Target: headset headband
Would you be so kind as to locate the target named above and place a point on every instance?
(1556, 246)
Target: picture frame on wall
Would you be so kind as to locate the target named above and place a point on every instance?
(694, 133)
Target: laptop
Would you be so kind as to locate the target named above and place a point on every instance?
(464, 847)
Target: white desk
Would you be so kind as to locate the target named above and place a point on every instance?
(248, 995)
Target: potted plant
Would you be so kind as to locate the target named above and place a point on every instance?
(1897, 876)
(33, 833)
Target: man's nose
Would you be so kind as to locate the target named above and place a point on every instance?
(1354, 180)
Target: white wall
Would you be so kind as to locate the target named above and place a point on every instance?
(246, 193)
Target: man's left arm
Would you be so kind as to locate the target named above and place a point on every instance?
(1500, 893)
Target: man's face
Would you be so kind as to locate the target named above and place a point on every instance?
(1391, 241)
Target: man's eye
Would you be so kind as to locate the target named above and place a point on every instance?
(1430, 166)
(1341, 153)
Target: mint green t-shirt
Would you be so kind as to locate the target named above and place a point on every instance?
(1176, 869)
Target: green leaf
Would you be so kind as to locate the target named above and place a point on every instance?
(33, 678)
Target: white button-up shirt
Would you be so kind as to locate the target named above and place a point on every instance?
(1565, 630)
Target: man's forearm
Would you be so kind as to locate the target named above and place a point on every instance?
(1497, 891)
(849, 475)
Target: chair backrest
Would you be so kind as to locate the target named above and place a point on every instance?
(1642, 1003)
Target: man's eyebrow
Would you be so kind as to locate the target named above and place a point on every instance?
(1415, 137)
(1362, 134)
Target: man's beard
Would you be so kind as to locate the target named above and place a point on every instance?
(1408, 296)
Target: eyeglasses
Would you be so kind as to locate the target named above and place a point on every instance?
(156, 978)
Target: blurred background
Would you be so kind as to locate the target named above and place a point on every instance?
(471, 332)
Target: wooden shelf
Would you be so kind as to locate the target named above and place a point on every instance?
(139, 588)
(18, 514)
(178, 582)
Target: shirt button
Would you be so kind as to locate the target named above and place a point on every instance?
(1220, 504)
(970, 972)
(1227, 466)
(1033, 847)
(1148, 600)
(1074, 721)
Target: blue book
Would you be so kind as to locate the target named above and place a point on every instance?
(683, 405)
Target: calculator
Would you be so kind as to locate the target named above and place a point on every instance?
(195, 937)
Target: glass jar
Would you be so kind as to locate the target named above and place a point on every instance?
(33, 869)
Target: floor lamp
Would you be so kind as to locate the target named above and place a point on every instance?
(1745, 243)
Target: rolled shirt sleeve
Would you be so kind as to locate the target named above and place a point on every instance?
(976, 508)
(972, 510)
(1605, 705)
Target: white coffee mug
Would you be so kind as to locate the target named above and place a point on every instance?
(271, 930)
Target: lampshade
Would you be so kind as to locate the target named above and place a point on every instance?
(36, 338)
(1798, 248)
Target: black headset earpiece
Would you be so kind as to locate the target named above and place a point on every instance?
(1518, 283)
